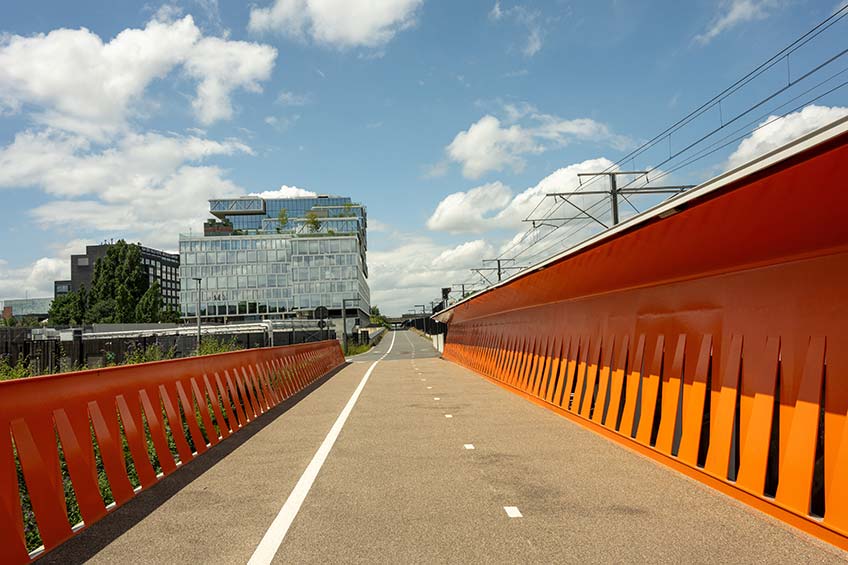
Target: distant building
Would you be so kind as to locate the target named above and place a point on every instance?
(253, 267)
(160, 266)
(20, 307)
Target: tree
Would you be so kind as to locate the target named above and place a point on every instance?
(121, 267)
(69, 309)
(103, 312)
(120, 293)
(377, 318)
(149, 308)
(312, 222)
(283, 218)
(169, 315)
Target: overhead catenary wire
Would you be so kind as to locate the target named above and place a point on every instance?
(735, 87)
(662, 174)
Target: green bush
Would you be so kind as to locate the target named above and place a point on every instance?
(210, 345)
(20, 370)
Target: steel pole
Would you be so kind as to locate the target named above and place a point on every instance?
(614, 198)
(198, 315)
(344, 325)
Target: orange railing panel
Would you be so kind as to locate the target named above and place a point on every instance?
(106, 428)
(712, 339)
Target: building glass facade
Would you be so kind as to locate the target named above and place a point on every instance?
(264, 270)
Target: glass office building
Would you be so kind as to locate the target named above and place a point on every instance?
(250, 266)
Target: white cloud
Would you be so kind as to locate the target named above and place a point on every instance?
(35, 280)
(71, 79)
(222, 66)
(781, 130)
(212, 11)
(564, 179)
(287, 98)
(735, 12)
(530, 19)
(146, 187)
(285, 192)
(153, 214)
(492, 206)
(490, 145)
(463, 255)
(534, 42)
(339, 23)
(377, 226)
(283, 123)
(415, 269)
(463, 212)
(70, 166)
(486, 146)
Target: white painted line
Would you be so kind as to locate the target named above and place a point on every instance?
(468, 446)
(276, 533)
(436, 398)
(448, 416)
(513, 512)
(429, 387)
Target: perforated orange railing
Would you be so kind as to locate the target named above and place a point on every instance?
(714, 340)
(81, 440)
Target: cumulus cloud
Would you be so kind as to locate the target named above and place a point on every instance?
(466, 211)
(492, 145)
(463, 255)
(415, 268)
(564, 179)
(338, 23)
(35, 280)
(71, 166)
(285, 192)
(146, 187)
(735, 12)
(73, 80)
(222, 66)
(775, 131)
(492, 206)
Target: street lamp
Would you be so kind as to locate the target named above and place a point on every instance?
(344, 319)
(197, 280)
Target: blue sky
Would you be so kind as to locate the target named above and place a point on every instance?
(448, 120)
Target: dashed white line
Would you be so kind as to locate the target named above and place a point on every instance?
(276, 533)
(436, 398)
(512, 512)
(468, 445)
(448, 415)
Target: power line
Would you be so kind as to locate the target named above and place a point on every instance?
(783, 53)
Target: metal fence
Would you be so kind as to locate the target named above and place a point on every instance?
(48, 350)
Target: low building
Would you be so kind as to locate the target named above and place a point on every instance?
(160, 266)
(21, 307)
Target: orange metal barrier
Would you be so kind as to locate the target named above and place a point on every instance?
(119, 423)
(714, 340)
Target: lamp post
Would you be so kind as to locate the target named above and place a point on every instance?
(197, 280)
(344, 320)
